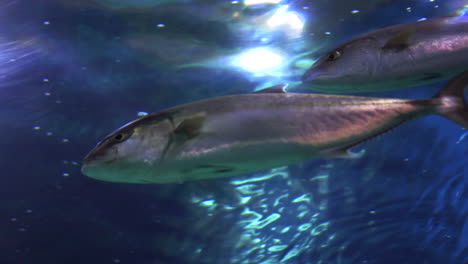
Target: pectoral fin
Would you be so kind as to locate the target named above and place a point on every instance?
(345, 153)
(214, 168)
(431, 76)
(399, 41)
(190, 127)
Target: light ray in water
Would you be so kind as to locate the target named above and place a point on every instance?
(292, 21)
(14, 56)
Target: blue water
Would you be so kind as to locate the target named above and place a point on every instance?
(73, 71)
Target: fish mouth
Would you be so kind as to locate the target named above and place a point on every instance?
(88, 164)
(88, 158)
(97, 156)
(317, 81)
(317, 78)
(94, 171)
(311, 75)
(87, 168)
(93, 167)
(99, 173)
(92, 162)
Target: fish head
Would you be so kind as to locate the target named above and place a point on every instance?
(130, 153)
(347, 68)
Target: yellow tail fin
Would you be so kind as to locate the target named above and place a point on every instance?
(453, 104)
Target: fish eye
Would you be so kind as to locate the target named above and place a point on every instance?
(121, 137)
(334, 55)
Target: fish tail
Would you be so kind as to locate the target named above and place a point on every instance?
(451, 99)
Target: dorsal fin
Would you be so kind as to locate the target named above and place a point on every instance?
(280, 88)
(400, 40)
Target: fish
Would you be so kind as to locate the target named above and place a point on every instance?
(243, 133)
(173, 50)
(394, 57)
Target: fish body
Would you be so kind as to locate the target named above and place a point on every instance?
(172, 49)
(237, 134)
(397, 56)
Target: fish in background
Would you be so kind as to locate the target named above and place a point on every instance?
(173, 49)
(237, 134)
(121, 4)
(206, 10)
(246, 38)
(397, 56)
(265, 65)
(118, 4)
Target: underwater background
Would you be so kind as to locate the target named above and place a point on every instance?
(73, 71)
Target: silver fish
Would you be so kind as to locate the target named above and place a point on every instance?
(237, 134)
(394, 57)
